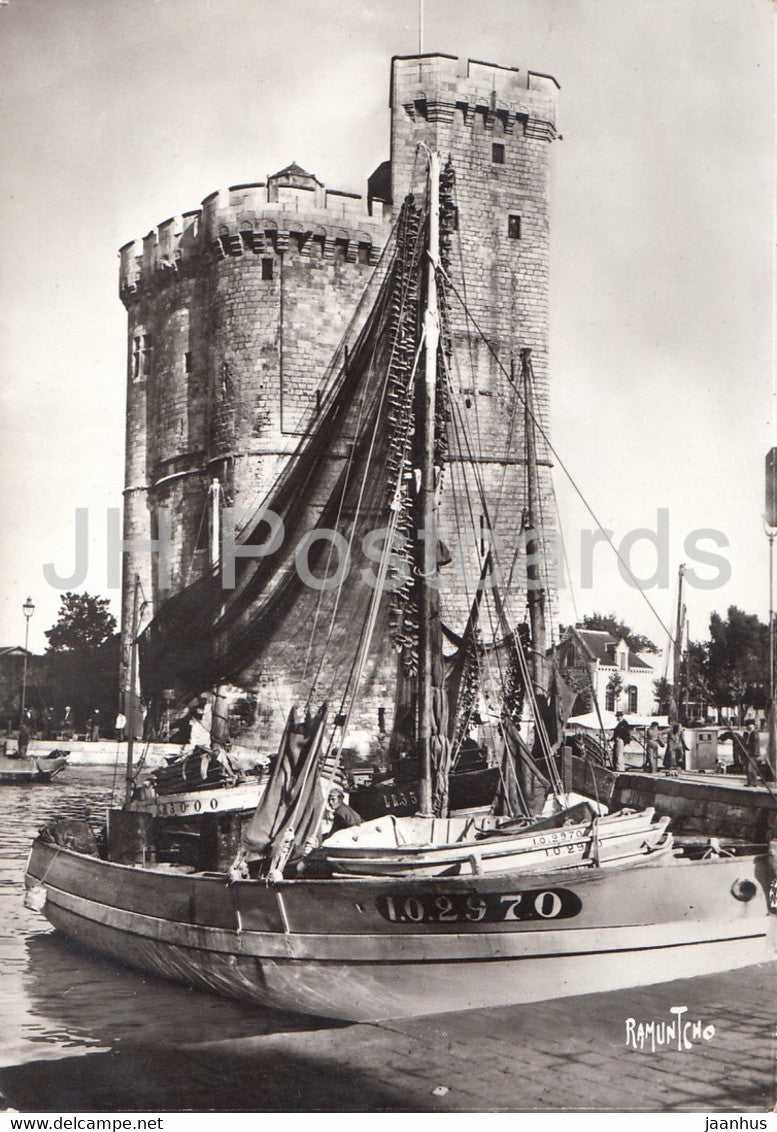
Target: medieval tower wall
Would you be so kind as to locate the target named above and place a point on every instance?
(495, 124)
(236, 312)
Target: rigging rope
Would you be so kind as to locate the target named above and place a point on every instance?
(561, 463)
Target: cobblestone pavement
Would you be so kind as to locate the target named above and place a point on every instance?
(568, 1054)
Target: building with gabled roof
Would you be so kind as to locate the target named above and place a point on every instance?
(601, 667)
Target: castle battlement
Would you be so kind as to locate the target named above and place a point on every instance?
(437, 87)
(291, 209)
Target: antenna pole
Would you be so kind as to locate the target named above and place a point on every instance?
(132, 698)
(771, 618)
(535, 592)
(678, 643)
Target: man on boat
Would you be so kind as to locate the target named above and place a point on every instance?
(620, 737)
(343, 816)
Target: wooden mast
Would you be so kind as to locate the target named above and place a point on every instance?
(132, 699)
(678, 645)
(535, 591)
(426, 558)
(219, 727)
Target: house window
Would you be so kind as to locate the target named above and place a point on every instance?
(631, 692)
(514, 226)
(622, 661)
(498, 153)
(266, 269)
(609, 699)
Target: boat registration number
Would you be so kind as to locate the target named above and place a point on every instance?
(489, 908)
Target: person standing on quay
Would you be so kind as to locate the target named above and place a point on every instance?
(653, 744)
(620, 737)
(674, 759)
(752, 753)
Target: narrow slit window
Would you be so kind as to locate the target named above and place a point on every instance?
(498, 153)
(514, 226)
(187, 362)
(266, 269)
(137, 355)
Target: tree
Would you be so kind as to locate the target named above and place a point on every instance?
(664, 690)
(738, 660)
(82, 660)
(612, 624)
(85, 623)
(615, 688)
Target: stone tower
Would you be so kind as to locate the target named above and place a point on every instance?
(495, 124)
(235, 312)
(237, 309)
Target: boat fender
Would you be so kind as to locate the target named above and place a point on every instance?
(744, 889)
(35, 898)
(772, 867)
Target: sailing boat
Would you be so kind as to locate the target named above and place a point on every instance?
(386, 946)
(204, 779)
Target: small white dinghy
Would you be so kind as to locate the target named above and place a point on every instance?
(426, 846)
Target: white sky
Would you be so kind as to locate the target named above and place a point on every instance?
(117, 115)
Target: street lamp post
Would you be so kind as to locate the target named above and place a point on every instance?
(27, 609)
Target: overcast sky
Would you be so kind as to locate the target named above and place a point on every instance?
(119, 114)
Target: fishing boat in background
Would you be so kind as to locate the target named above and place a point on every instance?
(31, 770)
(434, 913)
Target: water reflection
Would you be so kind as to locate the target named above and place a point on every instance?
(57, 999)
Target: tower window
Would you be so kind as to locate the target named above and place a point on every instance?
(266, 269)
(498, 153)
(514, 226)
(141, 356)
(187, 362)
(137, 356)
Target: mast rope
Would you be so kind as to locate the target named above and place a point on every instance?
(561, 463)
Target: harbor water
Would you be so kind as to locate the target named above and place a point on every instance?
(82, 1034)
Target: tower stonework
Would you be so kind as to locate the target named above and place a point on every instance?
(237, 312)
(495, 125)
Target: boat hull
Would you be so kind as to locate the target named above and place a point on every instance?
(29, 772)
(373, 949)
(242, 799)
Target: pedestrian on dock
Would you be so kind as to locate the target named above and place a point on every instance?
(23, 741)
(120, 726)
(674, 757)
(752, 753)
(653, 744)
(620, 737)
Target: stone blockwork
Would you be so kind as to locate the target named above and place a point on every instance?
(494, 123)
(239, 311)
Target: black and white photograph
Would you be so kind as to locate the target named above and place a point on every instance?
(387, 627)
